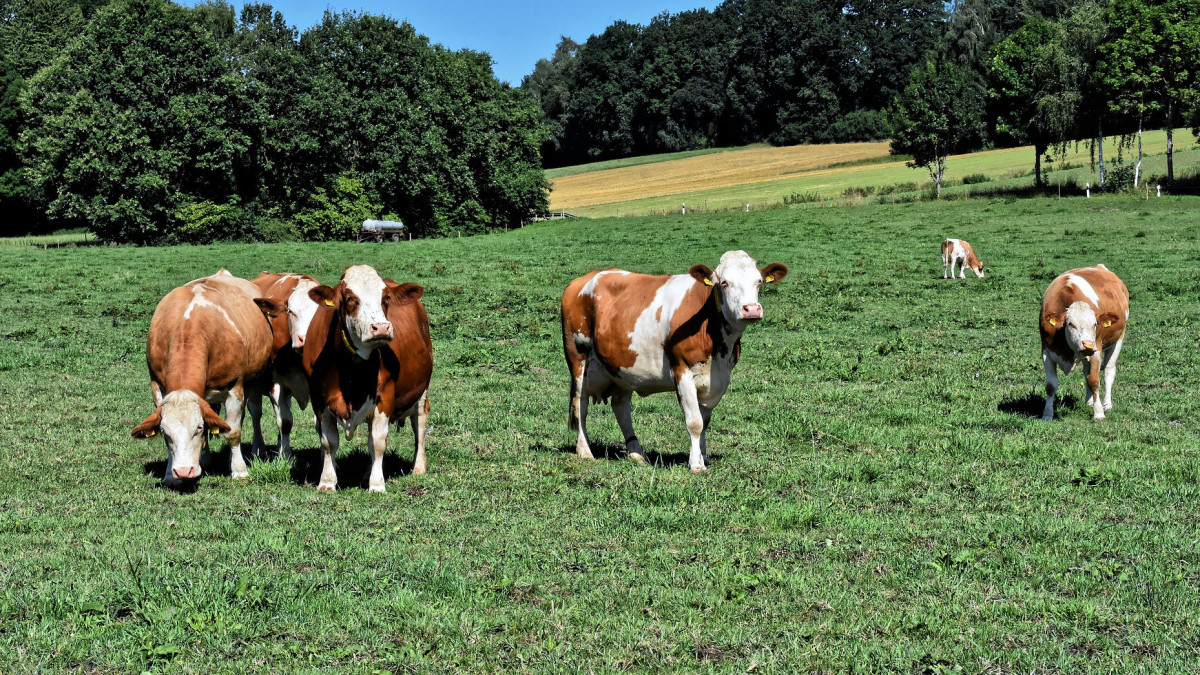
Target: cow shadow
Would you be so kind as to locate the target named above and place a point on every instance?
(353, 469)
(616, 452)
(1032, 404)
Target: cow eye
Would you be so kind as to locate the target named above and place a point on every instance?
(199, 430)
(724, 284)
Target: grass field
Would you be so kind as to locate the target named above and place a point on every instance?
(880, 497)
(765, 177)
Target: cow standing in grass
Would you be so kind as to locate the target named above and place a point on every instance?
(209, 345)
(625, 333)
(1083, 317)
(369, 358)
(288, 379)
(959, 252)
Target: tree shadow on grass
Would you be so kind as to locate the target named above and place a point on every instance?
(1032, 404)
(353, 470)
(617, 452)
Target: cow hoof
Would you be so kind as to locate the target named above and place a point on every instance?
(419, 470)
(377, 488)
(698, 469)
(324, 487)
(1098, 416)
(585, 453)
(1108, 406)
(241, 475)
(638, 458)
(1048, 418)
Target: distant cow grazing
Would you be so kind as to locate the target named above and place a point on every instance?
(626, 333)
(959, 252)
(209, 345)
(1083, 316)
(369, 358)
(288, 379)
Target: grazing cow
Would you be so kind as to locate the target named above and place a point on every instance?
(288, 379)
(959, 252)
(209, 344)
(626, 333)
(369, 358)
(1084, 313)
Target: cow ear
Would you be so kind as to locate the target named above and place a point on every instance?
(211, 419)
(1106, 319)
(1053, 319)
(773, 272)
(322, 295)
(702, 274)
(270, 307)
(408, 292)
(149, 426)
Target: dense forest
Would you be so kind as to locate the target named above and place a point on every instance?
(936, 77)
(149, 122)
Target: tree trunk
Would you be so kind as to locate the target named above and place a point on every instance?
(941, 169)
(1170, 145)
(1037, 165)
(1100, 146)
(1137, 169)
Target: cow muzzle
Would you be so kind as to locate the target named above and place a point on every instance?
(381, 331)
(752, 312)
(298, 342)
(186, 472)
(1087, 347)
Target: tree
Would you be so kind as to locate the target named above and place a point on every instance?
(939, 113)
(1017, 90)
(550, 85)
(137, 117)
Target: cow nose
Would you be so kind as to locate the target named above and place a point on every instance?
(752, 311)
(298, 342)
(1088, 347)
(187, 472)
(381, 329)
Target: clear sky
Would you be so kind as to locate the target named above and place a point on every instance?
(515, 33)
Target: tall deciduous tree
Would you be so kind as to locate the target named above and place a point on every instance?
(136, 118)
(939, 113)
(1017, 91)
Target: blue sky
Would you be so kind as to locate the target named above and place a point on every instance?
(516, 34)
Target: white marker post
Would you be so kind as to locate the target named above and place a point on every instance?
(683, 209)
(1088, 187)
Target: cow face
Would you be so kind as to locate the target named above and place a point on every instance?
(185, 421)
(978, 270)
(277, 316)
(300, 311)
(1080, 324)
(359, 299)
(735, 285)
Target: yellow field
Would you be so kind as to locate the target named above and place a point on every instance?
(765, 176)
(753, 165)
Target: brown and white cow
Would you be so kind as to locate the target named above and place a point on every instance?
(1083, 316)
(369, 358)
(209, 345)
(626, 333)
(288, 379)
(959, 252)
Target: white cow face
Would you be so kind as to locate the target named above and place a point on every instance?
(1080, 323)
(184, 419)
(365, 323)
(736, 282)
(978, 270)
(301, 308)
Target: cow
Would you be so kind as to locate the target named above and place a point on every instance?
(369, 358)
(959, 252)
(625, 333)
(288, 379)
(210, 343)
(1084, 312)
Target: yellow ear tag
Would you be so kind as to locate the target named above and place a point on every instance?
(769, 278)
(329, 303)
(1053, 322)
(707, 281)
(1107, 324)
(214, 432)
(151, 434)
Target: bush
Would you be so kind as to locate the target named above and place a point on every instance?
(802, 198)
(860, 125)
(1119, 178)
(337, 214)
(202, 222)
(975, 178)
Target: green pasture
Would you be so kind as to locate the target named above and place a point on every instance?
(880, 498)
(1009, 168)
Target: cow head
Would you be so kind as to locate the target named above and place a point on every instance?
(277, 316)
(359, 302)
(977, 268)
(185, 420)
(735, 285)
(300, 310)
(1080, 323)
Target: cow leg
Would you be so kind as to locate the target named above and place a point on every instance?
(622, 405)
(419, 420)
(1091, 373)
(962, 268)
(281, 398)
(254, 405)
(1110, 371)
(378, 440)
(685, 387)
(1051, 384)
(706, 415)
(234, 414)
(579, 409)
(329, 444)
(945, 266)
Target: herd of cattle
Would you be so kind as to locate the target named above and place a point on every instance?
(360, 351)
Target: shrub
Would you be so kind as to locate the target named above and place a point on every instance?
(975, 178)
(337, 214)
(202, 222)
(802, 198)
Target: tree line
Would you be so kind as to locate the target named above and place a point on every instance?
(149, 122)
(937, 77)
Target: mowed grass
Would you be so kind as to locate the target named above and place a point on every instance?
(880, 496)
(725, 181)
